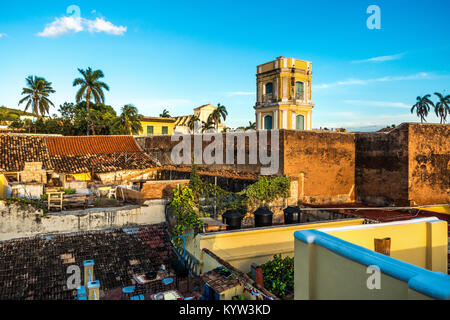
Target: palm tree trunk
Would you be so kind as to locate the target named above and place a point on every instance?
(88, 101)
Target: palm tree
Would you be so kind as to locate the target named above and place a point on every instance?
(251, 126)
(37, 91)
(192, 122)
(90, 86)
(217, 115)
(130, 120)
(207, 125)
(165, 114)
(442, 108)
(422, 107)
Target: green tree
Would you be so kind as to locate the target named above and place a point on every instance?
(217, 116)
(185, 210)
(37, 92)
(129, 122)
(90, 86)
(208, 125)
(423, 106)
(165, 114)
(442, 107)
(251, 126)
(191, 123)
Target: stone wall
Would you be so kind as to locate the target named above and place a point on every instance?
(409, 165)
(161, 189)
(382, 167)
(17, 222)
(322, 162)
(429, 164)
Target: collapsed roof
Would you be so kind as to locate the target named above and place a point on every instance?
(72, 154)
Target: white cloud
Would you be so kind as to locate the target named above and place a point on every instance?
(65, 25)
(382, 58)
(2, 35)
(381, 104)
(420, 75)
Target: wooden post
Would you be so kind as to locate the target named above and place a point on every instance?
(383, 246)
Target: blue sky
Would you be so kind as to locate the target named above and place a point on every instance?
(182, 54)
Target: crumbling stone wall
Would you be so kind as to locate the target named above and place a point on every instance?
(409, 165)
(429, 164)
(323, 163)
(382, 167)
(160, 189)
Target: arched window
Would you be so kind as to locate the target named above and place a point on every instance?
(268, 123)
(269, 88)
(300, 122)
(299, 90)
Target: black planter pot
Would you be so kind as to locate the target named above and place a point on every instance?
(233, 219)
(263, 217)
(292, 215)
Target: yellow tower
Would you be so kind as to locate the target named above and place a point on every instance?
(284, 95)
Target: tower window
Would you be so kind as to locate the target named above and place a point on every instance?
(300, 122)
(268, 123)
(299, 90)
(269, 88)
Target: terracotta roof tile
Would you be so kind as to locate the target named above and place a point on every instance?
(16, 149)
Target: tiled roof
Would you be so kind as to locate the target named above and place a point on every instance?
(80, 146)
(72, 154)
(183, 121)
(101, 163)
(36, 268)
(99, 153)
(17, 149)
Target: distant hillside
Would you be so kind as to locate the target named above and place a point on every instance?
(12, 114)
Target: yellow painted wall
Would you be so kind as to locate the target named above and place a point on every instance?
(242, 248)
(3, 187)
(438, 209)
(82, 176)
(157, 126)
(422, 244)
(321, 273)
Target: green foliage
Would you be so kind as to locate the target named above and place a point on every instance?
(239, 298)
(266, 190)
(68, 191)
(23, 203)
(184, 205)
(279, 275)
(36, 95)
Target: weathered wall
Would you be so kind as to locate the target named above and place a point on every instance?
(410, 165)
(407, 165)
(429, 164)
(382, 167)
(20, 223)
(323, 163)
(161, 189)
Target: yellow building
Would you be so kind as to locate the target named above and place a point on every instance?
(157, 126)
(341, 263)
(202, 113)
(284, 95)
